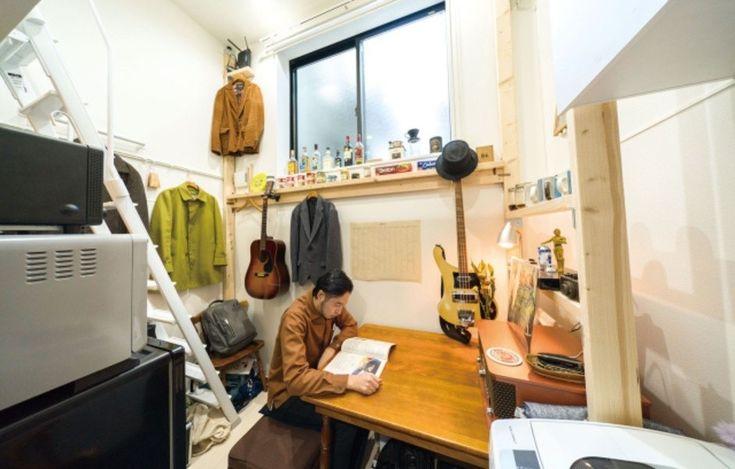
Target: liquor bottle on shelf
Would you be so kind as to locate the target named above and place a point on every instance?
(292, 164)
(338, 160)
(305, 163)
(327, 160)
(347, 152)
(359, 151)
(316, 158)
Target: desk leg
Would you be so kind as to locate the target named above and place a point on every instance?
(326, 442)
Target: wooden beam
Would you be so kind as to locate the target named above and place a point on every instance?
(228, 286)
(610, 353)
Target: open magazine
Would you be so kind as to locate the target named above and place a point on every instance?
(360, 354)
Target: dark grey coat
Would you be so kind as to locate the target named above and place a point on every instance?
(316, 245)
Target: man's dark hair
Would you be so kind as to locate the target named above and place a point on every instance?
(333, 283)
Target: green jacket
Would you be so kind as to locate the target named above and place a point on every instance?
(186, 225)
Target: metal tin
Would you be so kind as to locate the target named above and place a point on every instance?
(321, 177)
(332, 177)
(300, 180)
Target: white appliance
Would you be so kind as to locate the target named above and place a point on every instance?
(70, 306)
(566, 444)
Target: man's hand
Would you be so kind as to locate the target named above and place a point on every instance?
(326, 357)
(364, 383)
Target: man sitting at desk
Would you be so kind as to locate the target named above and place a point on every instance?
(304, 345)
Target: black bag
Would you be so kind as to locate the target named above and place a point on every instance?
(399, 455)
(227, 327)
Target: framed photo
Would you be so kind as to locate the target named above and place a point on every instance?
(522, 296)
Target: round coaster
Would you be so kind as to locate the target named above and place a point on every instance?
(504, 356)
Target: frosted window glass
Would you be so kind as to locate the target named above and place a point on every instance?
(406, 85)
(326, 102)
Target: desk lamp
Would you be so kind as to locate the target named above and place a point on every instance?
(510, 236)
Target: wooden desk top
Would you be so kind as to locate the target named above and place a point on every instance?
(545, 339)
(430, 395)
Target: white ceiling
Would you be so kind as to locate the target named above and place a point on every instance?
(255, 19)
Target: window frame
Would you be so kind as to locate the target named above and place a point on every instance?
(341, 46)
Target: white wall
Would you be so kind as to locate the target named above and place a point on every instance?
(401, 304)
(678, 167)
(680, 202)
(167, 72)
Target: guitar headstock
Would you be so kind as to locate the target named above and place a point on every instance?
(270, 192)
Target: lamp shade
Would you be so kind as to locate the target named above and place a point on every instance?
(508, 237)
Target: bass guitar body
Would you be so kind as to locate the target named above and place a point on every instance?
(460, 302)
(267, 275)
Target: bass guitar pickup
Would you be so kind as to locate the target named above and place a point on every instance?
(465, 297)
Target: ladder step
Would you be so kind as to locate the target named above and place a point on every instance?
(178, 341)
(205, 396)
(159, 315)
(152, 285)
(16, 49)
(43, 106)
(194, 372)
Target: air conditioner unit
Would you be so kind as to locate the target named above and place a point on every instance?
(562, 444)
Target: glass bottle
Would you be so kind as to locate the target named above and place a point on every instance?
(292, 164)
(359, 151)
(305, 163)
(315, 158)
(327, 161)
(338, 160)
(347, 152)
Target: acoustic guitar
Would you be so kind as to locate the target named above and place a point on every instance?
(461, 301)
(267, 275)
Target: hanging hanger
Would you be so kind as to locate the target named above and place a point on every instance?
(190, 183)
(312, 195)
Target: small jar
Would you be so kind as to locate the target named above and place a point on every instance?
(310, 178)
(344, 175)
(300, 180)
(321, 177)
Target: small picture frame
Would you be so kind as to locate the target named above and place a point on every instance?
(563, 183)
(522, 289)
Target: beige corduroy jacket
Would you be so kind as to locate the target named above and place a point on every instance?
(237, 122)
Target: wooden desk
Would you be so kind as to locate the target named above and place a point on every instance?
(530, 386)
(430, 397)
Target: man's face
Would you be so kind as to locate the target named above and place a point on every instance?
(333, 306)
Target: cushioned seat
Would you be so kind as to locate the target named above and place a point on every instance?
(271, 444)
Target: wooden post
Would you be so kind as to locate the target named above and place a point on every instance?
(610, 354)
(228, 286)
(507, 98)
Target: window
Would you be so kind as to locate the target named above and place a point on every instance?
(379, 84)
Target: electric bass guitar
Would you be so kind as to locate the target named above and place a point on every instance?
(267, 275)
(461, 301)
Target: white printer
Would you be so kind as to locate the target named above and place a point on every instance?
(562, 444)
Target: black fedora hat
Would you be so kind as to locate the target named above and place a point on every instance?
(456, 161)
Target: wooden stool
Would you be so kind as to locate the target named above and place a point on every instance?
(271, 444)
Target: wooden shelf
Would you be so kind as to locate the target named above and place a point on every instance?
(415, 181)
(560, 204)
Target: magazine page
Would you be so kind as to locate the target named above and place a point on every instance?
(363, 346)
(346, 363)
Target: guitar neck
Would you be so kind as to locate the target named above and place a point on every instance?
(461, 242)
(263, 224)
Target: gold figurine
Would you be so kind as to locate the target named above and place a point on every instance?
(558, 240)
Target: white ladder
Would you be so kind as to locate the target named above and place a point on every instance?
(30, 41)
